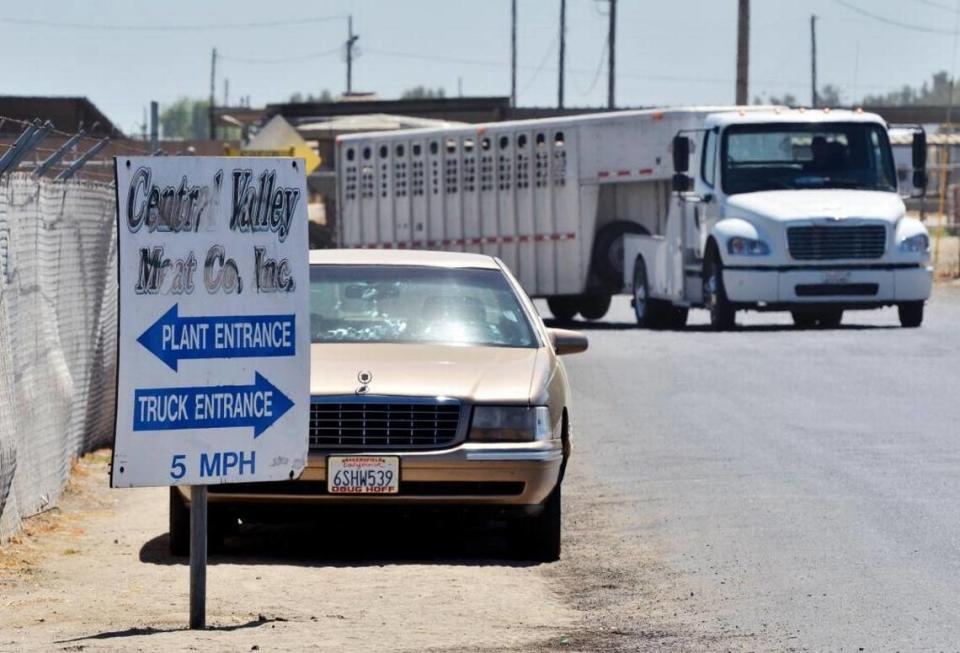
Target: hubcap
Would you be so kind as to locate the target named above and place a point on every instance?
(640, 295)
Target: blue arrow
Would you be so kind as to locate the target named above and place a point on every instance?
(210, 407)
(173, 338)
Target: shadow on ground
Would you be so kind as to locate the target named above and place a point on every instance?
(354, 541)
(137, 632)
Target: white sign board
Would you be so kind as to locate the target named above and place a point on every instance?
(214, 352)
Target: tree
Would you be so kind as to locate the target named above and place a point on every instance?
(186, 118)
(422, 93)
(325, 96)
(829, 96)
(789, 100)
(935, 93)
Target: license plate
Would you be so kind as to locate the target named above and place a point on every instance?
(363, 474)
(836, 276)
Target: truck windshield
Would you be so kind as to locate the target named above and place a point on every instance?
(806, 155)
(408, 304)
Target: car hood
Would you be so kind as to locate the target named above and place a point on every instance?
(783, 205)
(474, 374)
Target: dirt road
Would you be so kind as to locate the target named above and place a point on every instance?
(95, 576)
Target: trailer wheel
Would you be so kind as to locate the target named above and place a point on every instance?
(722, 313)
(607, 256)
(594, 307)
(911, 314)
(678, 317)
(563, 308)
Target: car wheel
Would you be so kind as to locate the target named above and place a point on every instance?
(217, 526)
(594, 307)
(650, 313)
(722, 313)
(563, 308)
(538, 538)
(179, 524)
(911, 314)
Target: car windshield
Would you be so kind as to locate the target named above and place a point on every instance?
(805, 155)
(397, 304)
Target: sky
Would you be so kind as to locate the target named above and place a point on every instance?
(123, 53)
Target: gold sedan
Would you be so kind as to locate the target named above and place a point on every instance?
(434, 382)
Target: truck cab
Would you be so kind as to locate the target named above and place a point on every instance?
(795, 210)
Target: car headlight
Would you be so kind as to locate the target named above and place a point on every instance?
(915, 244)
(747, 247)
(510, 424)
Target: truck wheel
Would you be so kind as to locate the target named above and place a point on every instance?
(179, 524)
(607, 257)
(830, 319)
(678, 317)
(648, 311)
(563, 308)
(538, 538)
(722, 313)
(804, 319)
(911, 314)
(594, 307)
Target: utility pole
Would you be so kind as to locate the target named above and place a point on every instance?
(226, 92)
(743, 51)
(813, 61)
(563, 46)
(213, 99)
(513, 53)
(351, 40)
(154, 126)
(611, 55)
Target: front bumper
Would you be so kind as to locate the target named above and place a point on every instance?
(471, 473)
(849, 285)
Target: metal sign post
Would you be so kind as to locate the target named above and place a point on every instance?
(213, 371)
(198, 557)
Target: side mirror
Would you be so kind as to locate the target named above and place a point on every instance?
(567, 342)
(920, 150)
(920, 162)
(682, 183)
(681, 154)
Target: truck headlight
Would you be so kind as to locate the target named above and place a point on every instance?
(747, 247)
(510, 424)
(915, 244)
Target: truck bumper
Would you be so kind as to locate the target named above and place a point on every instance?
(848, 285)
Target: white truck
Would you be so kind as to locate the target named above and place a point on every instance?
(787, 210)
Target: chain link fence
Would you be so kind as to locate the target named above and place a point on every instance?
(58, 326)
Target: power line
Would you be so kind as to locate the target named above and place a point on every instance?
(891, 21)
(302, 57)
(539, 68)
(191, 27)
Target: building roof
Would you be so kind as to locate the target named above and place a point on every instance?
(370, 122)
(402, 257)
(68, 114)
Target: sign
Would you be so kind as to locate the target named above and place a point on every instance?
(214, 343)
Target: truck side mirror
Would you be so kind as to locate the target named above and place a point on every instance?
(920, 161)
(919, 150)
(682, 183)
(681, 154)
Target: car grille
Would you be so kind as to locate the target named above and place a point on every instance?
(824, 243)
(360, 425)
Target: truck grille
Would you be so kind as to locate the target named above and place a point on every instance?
(824, 243)
(361, 425)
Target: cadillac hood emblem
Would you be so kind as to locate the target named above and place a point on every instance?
(365, 377)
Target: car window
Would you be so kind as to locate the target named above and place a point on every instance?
(380, 303)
